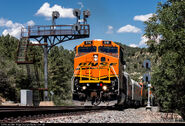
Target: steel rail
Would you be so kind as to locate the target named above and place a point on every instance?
(24, 111)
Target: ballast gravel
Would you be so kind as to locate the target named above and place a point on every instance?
(131, 115)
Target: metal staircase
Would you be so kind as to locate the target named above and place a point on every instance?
(22, 57)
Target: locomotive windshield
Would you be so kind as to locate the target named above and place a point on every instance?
(108, 49)
(87, 49)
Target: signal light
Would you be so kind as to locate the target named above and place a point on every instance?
(101, 84)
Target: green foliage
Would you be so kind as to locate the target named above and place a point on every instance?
(60, 73)
(6, 88)
(168, 77)
(8, 46)
(14, 77)
(134, 58)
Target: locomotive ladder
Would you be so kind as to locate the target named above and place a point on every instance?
(22, 50)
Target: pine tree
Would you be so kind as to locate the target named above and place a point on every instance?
(59, 73)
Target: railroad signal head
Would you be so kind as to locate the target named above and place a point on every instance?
(86, 13)
(147, 64)
(55, 14)
(146, 77)
(77, 13)
(76, 27)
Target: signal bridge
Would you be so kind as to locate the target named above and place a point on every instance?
(48, 36)
(55, 33)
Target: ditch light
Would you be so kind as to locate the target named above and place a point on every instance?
(104, 87)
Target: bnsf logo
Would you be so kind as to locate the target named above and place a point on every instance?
(95, 64)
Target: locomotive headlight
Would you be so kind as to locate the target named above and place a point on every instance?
(104, 88)
(84, 87)
(95, 58)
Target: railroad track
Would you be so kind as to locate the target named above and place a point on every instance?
(22, 113)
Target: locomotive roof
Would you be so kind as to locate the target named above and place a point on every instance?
(98, 42)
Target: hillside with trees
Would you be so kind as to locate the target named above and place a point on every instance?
(134, 58)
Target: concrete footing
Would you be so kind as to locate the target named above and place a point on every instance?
(46, 103)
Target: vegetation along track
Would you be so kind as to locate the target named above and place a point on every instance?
(24, 113)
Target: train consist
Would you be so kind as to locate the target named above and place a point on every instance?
(100, 77)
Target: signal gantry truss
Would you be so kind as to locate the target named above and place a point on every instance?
(50, 35)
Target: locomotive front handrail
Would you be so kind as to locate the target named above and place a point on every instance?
(95, 79)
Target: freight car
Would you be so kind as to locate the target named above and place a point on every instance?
(100, 77)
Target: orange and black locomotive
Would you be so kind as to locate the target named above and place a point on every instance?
(99, 75)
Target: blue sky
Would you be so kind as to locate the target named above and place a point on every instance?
(117, 20)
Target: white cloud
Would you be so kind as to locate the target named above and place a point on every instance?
(34, 42)
(110, 29)
(46, 11)
(157, 39)
(81, 5)
(129, 28)
(143, 41)
(6, 23)
(142, 17)
(2, 22)
(30, 23)
(13, 29)
(133, 45)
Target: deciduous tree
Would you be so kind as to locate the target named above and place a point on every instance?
(166, 31)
